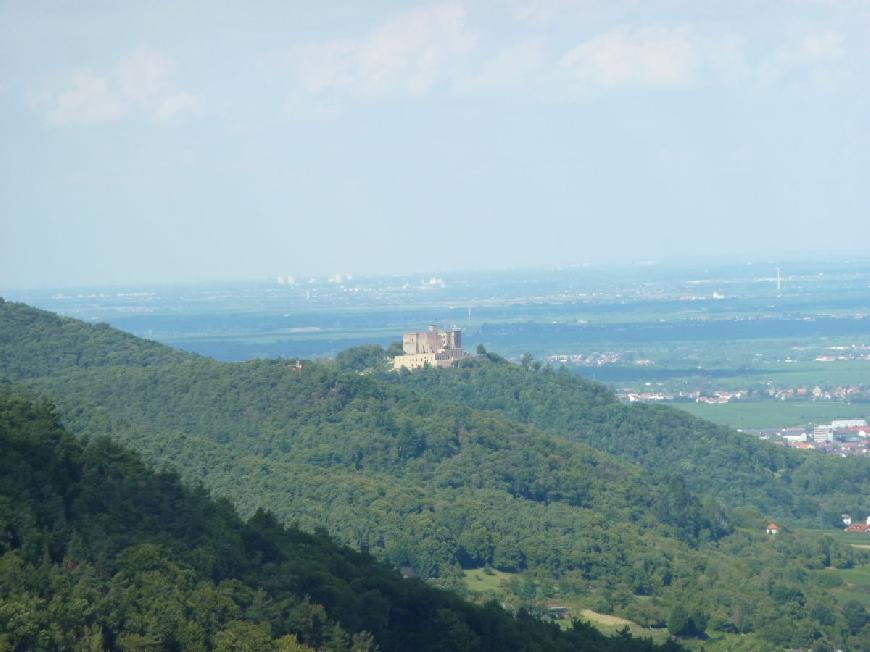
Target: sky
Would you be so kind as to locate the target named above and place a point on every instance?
(191, 141)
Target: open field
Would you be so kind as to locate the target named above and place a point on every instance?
(808, 374)
(733, 365)
(857, 584)
(612, 624)
(761, 414)
(716, 641)
(490, 583)
(852, 538)
(478, 580)
(855, 581)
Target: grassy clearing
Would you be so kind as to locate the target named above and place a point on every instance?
(490, 583)
(716, 641)
(610, 625)
(761, 414)
(857, 584)
(856, 539)
(479, 580)
(604, 619)
(856, 581)
(719, 642)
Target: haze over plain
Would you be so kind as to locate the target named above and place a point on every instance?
(166, 142)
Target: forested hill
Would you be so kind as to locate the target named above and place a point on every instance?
(741, 470)
(36, 343)
(437, 487)
(98, 553)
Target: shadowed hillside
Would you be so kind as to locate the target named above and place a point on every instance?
(96, 552)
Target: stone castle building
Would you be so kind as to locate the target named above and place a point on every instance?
(434, 347)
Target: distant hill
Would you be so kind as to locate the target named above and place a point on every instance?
(35, 343)
(97, 552)
(410, 468)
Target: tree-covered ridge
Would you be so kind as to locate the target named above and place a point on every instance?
(406, 476)
(434, 486)
(97, 552)
(741, 470)
(36, 343)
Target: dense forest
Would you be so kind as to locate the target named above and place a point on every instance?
(812, 489)
(97, 552)
(529, 471)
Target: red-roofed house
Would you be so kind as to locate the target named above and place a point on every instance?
(772, 528)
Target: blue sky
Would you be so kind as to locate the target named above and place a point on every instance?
(163, 141)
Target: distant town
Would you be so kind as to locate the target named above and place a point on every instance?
(842, 437)
(846, 393)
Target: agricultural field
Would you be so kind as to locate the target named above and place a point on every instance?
(762, 414)
(856, 584)
(848, 583)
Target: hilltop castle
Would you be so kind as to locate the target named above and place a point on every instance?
(433, 347)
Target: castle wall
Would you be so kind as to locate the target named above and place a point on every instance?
(434, 347)
(419, 360)
(425, 342)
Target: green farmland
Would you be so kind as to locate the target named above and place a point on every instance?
(762, 414)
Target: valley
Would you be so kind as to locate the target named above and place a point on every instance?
(570, 497)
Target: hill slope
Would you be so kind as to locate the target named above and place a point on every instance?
(712, 459)
(97, 552)
(35, 343)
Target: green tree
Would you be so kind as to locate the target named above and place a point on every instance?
(855, 615)
(678, 620)
(241, 636)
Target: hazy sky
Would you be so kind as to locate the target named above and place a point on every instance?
(158, 141)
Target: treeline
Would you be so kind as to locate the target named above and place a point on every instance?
(97, 552)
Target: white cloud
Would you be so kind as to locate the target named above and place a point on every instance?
(679, 57)
(174, 105)
(817, 60)
(822, 46)
(89, 101)
(538, 12)
(512, 68)
(143, 75)
(408, 54)
(432, 47)
(139, 84)
(647, 57)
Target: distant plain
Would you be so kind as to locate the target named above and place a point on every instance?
(654, 327)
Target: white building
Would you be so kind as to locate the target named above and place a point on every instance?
(793, 438)
(848, 423)
(823, 434)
